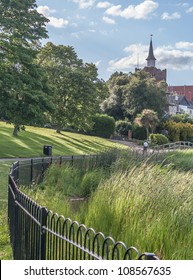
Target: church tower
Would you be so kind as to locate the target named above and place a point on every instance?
(158, 74)
(151, 58)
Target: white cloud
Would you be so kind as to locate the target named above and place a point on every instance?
(190, 10)
(53, 21)
(177, 57)
(109, 20)
(104, 5)
(58, 22)
(83, 4)
(167, 16)
(141, 11)
(184, 45)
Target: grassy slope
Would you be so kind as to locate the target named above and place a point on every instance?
(30, 143)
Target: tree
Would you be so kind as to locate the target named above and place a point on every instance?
(114, 104)
(23, 85)
(76, 89)
(148, 119)
(143, 92)
(130, 94)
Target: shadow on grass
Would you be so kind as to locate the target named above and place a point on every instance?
(30, 143)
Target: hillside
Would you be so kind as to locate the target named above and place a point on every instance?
(29, 143)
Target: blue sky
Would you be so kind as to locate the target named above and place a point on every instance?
(115, 34)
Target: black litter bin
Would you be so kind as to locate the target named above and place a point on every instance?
(47, 149)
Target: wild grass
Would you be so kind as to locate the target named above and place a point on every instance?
(140, 201)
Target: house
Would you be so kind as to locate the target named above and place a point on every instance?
(178, 104)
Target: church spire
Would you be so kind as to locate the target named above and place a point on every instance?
(151, 58)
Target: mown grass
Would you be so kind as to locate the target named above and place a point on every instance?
(29, 143)
(143, 202)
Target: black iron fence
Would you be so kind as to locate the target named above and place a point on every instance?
(39, 234)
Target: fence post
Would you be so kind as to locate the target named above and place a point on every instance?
(43, 233)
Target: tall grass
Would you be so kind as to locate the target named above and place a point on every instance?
(143, 202)
(5, 248)
(148, 207)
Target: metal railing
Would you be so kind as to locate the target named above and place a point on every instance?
(37, 233)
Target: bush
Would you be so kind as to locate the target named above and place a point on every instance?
(179, 131)
(139, 132)
(104, 126)
(158, 139)
(122, 127)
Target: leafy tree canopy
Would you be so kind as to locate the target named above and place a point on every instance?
(76, 89)
(131, 93)
(23, 85)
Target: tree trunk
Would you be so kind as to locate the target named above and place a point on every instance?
(147, 132)
(58, 130)
(15, 130)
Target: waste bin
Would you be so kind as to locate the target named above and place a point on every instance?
(47, 149)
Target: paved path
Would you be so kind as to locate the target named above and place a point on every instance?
(132, 145)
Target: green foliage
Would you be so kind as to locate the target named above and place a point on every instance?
(130, 94)
(114, 104)
(179, 131)
(148, 119)
(104, 126)
(76, 89)
(158, 139)
(139, 132)
(143, 92)
(181, 118)
(23, 85)
(122, 127)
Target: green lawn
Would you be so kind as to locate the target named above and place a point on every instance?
(30, 143)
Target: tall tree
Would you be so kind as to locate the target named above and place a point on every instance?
(23, 86)
(76, 89)
(131, 93)
(114, 104)
(143, 92)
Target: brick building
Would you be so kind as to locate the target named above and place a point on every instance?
(187, 91)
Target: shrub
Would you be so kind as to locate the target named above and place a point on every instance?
(122, 127)
(158, 139)
(179, 131)
(139, 132)
(104, 126)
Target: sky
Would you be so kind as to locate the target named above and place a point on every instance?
(115, 34)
